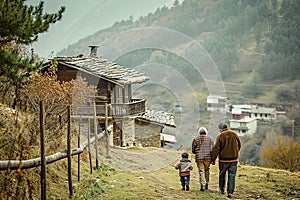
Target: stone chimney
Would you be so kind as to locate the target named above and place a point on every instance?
(93, 50)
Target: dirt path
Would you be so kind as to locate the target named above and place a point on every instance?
(157, 166)
(140, 160)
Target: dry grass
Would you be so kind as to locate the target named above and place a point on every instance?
(163, 183)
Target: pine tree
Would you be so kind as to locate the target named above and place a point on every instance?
(20, 25)
(283, 49)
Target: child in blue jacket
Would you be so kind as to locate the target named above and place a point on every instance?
(184, 166)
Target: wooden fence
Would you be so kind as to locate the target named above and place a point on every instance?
(44, 160)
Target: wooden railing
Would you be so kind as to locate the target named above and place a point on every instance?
(136, 106)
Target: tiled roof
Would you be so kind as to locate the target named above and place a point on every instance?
(102, 68)
(159, 117)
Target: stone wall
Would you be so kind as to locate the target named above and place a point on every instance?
(128, 131)
(147, 134)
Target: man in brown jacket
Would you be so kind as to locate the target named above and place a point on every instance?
(227, 147)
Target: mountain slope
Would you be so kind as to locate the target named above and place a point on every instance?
(254, 45)
(232, 32)
(224, 28)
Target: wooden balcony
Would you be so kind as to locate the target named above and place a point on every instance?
(135, 106)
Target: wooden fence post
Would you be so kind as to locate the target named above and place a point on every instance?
(89, 145)
(43, 158)
(79, 130)
(106, 132)
(69, 153)
(96, 134)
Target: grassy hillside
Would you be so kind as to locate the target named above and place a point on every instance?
(138, 174)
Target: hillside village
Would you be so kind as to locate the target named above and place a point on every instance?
(243, 117)
(256, 56)
(133, 124)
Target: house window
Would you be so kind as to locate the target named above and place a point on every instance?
(255, 115)
(126, 94)
(119, 95)
(266, 115)
(243, 124)
(260, 115)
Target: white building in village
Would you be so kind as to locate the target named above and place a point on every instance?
(244, 117)
(240, 108)
(244, 126)
(216, 103)
(263, 113)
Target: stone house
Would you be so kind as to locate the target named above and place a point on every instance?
(114, 104)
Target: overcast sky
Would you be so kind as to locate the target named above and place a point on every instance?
(85, 17)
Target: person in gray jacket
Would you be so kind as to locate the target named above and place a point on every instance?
(184, 167)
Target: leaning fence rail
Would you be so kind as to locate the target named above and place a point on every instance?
(35, 162)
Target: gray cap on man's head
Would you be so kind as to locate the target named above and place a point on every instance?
(222, 126)
(202, 130)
